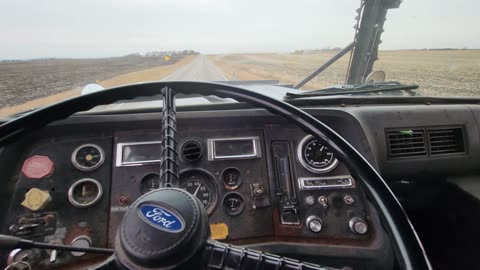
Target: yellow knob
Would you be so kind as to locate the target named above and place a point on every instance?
(36, 199)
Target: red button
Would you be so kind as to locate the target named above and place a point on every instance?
(37, 167)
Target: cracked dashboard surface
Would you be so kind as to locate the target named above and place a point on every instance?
(265, 184)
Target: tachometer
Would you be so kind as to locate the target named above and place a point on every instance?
(201, 184)
(88, 157)
(315, 156)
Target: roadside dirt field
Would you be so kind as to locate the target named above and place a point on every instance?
(41, 82)
(438, 72)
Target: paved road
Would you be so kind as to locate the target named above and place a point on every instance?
(200, 69)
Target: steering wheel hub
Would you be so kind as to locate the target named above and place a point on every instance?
(164, 228)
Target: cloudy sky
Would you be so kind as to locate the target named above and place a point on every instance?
(102, 28)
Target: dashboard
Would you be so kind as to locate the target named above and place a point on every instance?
(265, 183)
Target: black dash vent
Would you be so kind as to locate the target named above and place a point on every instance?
(446, 140)
(406, 143)
(192, 150)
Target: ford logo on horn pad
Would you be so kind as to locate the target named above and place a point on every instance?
(161, 218)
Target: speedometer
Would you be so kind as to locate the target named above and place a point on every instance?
(315, 156)
(200, 184)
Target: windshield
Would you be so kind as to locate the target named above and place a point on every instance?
(51, 49)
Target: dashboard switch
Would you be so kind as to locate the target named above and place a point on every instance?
(348, 199)
(289, 215)
(323, 201)
(358, 225)
(54, 253)
(314, 223)
(36, 199)
(258, 199)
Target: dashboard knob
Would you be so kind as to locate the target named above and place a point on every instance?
(310, 200)
(314, 223)
(81, 241)
(358, 225)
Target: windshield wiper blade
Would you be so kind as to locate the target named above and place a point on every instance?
(355, 89)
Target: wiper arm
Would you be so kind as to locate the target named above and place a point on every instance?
(355, 89)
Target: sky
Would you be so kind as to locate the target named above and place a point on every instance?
(104, 28)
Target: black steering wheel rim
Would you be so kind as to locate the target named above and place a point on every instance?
(407, 247)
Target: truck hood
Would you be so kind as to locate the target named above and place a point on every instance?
(269, 88)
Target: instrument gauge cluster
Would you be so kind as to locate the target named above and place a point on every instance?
(315, 156)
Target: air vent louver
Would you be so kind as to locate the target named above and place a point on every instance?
(191, 150)
(446, 140)
(406, 143)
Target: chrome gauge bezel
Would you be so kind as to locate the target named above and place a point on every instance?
(306, 165)
(239, 210)
(83, 168)
(75, 203)
(211, 178)
(239, 178)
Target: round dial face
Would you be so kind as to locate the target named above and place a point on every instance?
(201, 185)
(231, 178)
(150, 182)
(316, 156)
(85, 192)
(233, 204)
(88, 157)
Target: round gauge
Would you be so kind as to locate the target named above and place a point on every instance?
(233, 204)
(231, 178)
(315, 156)
(201, 184)
(150, 182)
(85, 192)
(88, 157)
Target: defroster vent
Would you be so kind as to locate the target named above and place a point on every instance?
(446, 140)
(406, 143)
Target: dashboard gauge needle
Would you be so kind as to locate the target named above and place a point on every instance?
(196, 191)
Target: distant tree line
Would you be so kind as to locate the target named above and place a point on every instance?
(308, 51)
(169, 53)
